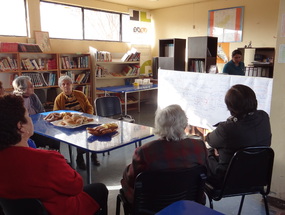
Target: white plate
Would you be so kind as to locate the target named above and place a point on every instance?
(57, 123)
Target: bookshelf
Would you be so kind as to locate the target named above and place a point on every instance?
(116, 70)
(202, 53)
(259, 62)
(78, 67)
(41, 67)
(172, 54)
(45, 69)
(7, 71)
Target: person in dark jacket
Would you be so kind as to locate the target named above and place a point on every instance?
(246, 127)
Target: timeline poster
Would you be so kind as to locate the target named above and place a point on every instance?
(201, 95)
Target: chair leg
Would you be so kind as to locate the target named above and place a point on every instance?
(118, 205)
(265, 204)
(241, 204)
(211, 202)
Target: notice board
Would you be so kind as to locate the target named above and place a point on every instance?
(201, 95)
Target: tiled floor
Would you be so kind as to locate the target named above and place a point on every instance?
(112, 166)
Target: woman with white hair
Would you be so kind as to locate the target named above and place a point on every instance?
(70, 99)
(24, 87)
(173, 149)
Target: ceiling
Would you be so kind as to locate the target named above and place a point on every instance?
(153, 4)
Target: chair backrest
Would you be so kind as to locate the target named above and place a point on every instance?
(249, 171)
(154, 190)
(108, 106)
(22, 207)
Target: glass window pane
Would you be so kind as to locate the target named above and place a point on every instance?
(126, 30)
(13, 16)
(61, 21)
(101, 25)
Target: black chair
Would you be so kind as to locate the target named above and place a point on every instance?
(22, 207)
(249, 172)
(155, 190)
(110, 106)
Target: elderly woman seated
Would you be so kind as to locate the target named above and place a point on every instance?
(173, 149)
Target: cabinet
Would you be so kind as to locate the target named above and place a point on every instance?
(202, 53)
(172, 54)
(78, 67)
(116, 73)
(258, 61)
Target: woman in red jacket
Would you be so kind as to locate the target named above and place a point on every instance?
(34, 173)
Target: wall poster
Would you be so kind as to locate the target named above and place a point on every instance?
(42, 39)
(226, 24)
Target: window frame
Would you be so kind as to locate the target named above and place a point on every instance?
(83, 22)
(26, 21)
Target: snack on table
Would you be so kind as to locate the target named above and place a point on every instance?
(103, 129)
(70, 119)
(53, 117)
(75, 119)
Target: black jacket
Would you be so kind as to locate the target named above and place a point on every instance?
(232, 135)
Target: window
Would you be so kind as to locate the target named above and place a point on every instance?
(101, 25)
(126, 30)
(13, 18)
(61, 21)
(65, 21)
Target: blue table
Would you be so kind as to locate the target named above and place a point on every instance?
(126, 134)
(185, 207)
(125, 89)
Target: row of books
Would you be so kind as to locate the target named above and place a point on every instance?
(128, 70)
(42, 79)
(131, 70)
(131, 55)
(85, 89)
(68, 62)
(102, 56)
(8, 63)
(257, 71)
(38, 64)
(21, 47)
(197, 66)
(78, 78)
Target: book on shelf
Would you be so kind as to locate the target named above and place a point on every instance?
(8, 64)
(27, 47)
(27, 64)
(103, 56)
(8, 47)
(79, 78)
(131, 55)
(51, 64)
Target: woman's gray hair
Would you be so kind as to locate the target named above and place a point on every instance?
(170, 123)
(64, 78)
(20, 85)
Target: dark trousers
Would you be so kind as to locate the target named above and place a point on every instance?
(99, 193)
(80, 152)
